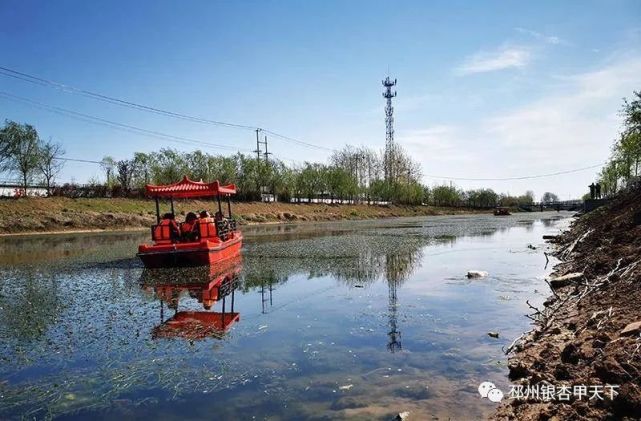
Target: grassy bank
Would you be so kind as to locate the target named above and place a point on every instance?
(63, 214)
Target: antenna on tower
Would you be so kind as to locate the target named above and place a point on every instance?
(388, 94)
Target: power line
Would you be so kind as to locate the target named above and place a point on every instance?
(67, 88)
(5, 71)
(133, 129)
(59, 158)
(300, 142)
(526, 177)
(427, 176)
(112, 124)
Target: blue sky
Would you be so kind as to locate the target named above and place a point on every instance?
(485, 89)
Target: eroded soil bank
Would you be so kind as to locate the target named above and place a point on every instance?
(34, 215)
(588, 334)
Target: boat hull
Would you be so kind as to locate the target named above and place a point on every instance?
(203, 253)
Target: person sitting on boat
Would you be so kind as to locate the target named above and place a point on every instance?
(202, 215)
(202, 225)
(188, 227)
(168, 220)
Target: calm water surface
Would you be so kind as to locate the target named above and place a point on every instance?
(353, 320)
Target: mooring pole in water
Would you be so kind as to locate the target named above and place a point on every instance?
(229, 205)
(157, 210)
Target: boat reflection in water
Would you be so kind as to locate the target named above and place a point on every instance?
(211, 286)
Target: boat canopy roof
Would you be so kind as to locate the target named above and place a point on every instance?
(186, 188)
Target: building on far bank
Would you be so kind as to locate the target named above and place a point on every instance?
(12, 190)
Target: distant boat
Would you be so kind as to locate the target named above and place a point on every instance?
(501, 211)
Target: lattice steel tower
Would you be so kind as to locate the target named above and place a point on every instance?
(388, 94)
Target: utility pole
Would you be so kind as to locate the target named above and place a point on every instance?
(262, 189)
(258, 142)
(266, 153)
(258, 150)
(388, 94)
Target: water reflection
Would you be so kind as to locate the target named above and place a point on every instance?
(356, 261)
(338, 322)
(27, 312)
(68, 248)
(398, 267)
(206, 285)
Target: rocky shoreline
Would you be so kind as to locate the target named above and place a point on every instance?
(589, 331)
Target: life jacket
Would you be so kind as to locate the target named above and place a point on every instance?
(187, 227)
(207, 227)
(166, 231)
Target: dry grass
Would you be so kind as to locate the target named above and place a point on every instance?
(65, 214)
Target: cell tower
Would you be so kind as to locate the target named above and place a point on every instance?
(388, 94)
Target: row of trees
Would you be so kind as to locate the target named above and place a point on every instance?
(354, 174)
(450, 195)
(24, 153)
(357, 175)
(624, 164)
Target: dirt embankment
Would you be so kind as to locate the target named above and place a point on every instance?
(63, 214)
(587, 332)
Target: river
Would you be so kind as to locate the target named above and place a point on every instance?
(349, 320)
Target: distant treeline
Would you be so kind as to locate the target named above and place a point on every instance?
(355, 175)
(624, 165)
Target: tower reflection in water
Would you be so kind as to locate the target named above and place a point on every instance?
(211, 286)
(214, 288)
(359, 264)
(398, 267)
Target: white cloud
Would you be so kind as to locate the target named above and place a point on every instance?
(570, 128)
(488, 61)
(549, 39)
(582, 120)
(438, 142)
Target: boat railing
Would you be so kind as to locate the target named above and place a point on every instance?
(225, 227)
(163, 234)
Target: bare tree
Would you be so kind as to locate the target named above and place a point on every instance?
(49, 162)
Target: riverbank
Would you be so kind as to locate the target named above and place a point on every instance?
(59, 214)
(589, 333)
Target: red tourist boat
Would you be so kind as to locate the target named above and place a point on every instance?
(212, 241)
